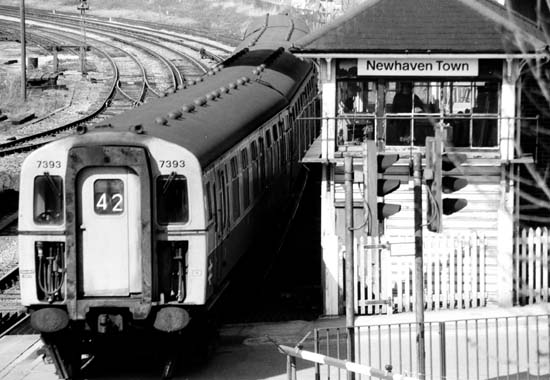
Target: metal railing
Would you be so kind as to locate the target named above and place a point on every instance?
(463, 131)
(292, 353)
(515, 347)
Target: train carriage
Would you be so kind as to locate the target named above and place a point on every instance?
(139, 220)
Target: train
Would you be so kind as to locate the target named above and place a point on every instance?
(138, 222)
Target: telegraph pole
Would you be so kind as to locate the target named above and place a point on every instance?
(23, 54)
(418, 266)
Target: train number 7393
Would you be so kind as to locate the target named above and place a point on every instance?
(172, 164)
(48, 164)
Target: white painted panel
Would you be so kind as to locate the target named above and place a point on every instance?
(105, 239)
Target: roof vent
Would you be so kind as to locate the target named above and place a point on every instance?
(161, 120)
(210, 73)
(174, 115)
(137, 129)
(188, 108)
(210, 96)
(200, 101)
(232, 85)
(192, 82)
(223, 90)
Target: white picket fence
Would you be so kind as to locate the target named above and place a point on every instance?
(454, 275)
(531, 256)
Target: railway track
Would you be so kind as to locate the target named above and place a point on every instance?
(13, 319)
(135, 87)
(12, 316)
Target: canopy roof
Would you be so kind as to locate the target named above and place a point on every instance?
(426, 27)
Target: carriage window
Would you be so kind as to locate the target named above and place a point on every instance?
(246, 191)
(275, 133)
(254, 150)
(255, 168)
(172, 199)
(108, 196)
(48, 199)
(262, 147)
(235, 188)
(208, 201)
(268, 139)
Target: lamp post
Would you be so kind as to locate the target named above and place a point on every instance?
(83, 7)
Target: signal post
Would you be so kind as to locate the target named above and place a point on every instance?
(439, 180)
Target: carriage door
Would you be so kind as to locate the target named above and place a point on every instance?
(109, 231)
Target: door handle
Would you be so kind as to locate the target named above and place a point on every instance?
(82, 227)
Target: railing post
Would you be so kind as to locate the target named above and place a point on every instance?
(288, 368)
(316, 344)
(442, 357)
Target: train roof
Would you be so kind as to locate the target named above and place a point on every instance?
(215, 125)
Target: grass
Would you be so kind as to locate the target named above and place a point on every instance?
(11, 104)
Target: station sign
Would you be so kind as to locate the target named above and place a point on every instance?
(441, 67)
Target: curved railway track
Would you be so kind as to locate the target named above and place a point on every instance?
(133, 96)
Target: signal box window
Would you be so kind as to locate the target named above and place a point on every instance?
(48, 199)
(172, 199)
(108, 196)
(356, 106)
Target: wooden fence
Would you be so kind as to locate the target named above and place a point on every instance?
(531, 283)
(454, 275)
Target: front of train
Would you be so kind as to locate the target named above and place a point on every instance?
(93, 209)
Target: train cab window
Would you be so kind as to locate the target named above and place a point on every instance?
(172, 199)
(48, 199)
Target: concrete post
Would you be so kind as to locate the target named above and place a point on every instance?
(505, 259)
(55, 60)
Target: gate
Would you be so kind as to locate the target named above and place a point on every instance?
(531, 256)
(454, 274)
